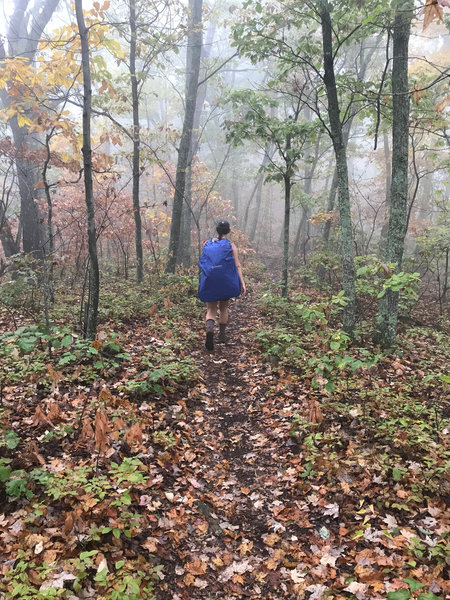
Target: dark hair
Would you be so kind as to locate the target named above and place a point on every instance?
(223, 227)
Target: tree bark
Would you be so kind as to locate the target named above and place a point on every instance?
(386, 332)
(287, 216)
(330, 207)
(346, 130)
(307, 187)
(195, 44)
(340, 150)
(9, 244)
(185, 241)
(136, 174)
(258, 198)
(268, 153)
(90, 323)
(388, 183)
(7, 239)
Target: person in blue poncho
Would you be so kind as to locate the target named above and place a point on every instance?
(220, 279)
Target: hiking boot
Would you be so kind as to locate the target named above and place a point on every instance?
(209, 344)
(222, 337)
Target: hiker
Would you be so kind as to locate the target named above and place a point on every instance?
(220, 279)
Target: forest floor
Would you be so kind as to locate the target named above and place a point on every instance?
(241, 482)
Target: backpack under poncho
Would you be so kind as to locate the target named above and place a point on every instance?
(219, 278)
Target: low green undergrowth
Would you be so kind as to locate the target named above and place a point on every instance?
(162, 371)
(308, 344)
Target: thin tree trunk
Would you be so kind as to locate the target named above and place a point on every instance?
(309, 174)
(235, 194)
(49, 284)
(195, 42)
(136, 147)
(386, 332)
(348, 265)
(301, 225)
(268, 153)
(388, 183)
(330, 208)
(91, 312)
(287, 215)
(186, 221)
(258, 198)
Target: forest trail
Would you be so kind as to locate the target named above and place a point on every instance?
(246, 530)
(199, 487)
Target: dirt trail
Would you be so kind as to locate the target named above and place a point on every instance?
(235, 546)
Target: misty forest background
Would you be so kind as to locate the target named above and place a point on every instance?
(320, 131)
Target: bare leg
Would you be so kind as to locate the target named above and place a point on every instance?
(223, 319)
(211, 310)
(211, 314)
(223, 311)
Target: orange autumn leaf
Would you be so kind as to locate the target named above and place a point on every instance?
(55, 376)
(54, 413)
(442, 105)
(87, 432)
(271, 564)
(432, 11)
(101, 431)
(196, 567)
(40, 418)
(134, 434)
(315, 412)
(417, 93)
(68, 523)
(105, 396)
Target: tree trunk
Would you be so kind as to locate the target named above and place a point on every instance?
(236, 198)
(268, 153)
(287, 216)
(348, 265)
(186, 220)
(193, 67)
(185, 242)
(91, 312)
(307, 187)
(258, 198)
(367, 51)
(330, 207)
(388, 183)
(387, 317)
(24, 33)
(49, 246)
(7, 239)
(301, 225)
(136, 147)
(9, 244)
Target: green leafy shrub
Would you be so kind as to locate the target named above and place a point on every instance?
(25, 352)
(164, 371)
(374, 278)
